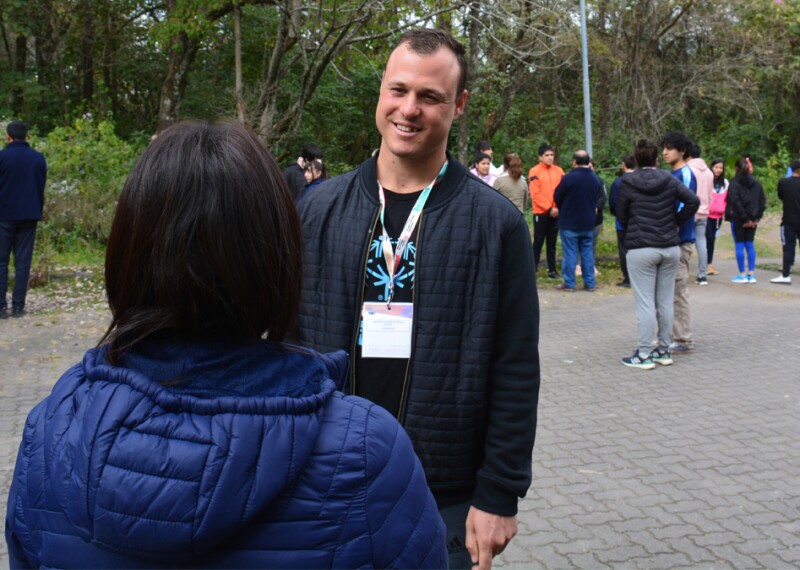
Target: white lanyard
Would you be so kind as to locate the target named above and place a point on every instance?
(393, 258)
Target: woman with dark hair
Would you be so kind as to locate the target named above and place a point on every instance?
(511, 184)
(651, 206)
(193, 436)
(716, 209)
(481, 167)
(746, 205)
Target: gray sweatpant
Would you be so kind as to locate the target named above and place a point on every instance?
(652, 273)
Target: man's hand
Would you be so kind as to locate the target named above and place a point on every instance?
(487, 536)
(554, 212)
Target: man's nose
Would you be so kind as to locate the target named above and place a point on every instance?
(409, 107)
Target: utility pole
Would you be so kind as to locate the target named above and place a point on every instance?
(587, 103)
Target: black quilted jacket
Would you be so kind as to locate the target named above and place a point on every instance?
(647, 208)
(471, 401)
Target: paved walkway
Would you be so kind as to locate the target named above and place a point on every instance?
(691, 465)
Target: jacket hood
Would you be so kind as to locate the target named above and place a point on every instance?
(168, 472)
(649, 180)
(698, 163)
(745, 180)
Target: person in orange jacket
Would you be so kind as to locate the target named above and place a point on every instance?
(542, 181)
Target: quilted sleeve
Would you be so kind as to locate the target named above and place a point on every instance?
(405, 527)
(17, 532)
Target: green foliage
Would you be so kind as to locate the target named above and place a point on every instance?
(87, 166)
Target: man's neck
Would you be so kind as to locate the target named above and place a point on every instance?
(405, 176)
(678, 165)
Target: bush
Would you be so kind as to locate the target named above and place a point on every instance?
(87, 166)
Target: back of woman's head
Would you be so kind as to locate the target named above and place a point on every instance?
(646, 153)
(513, 165)
(743, 166)
(205, 240)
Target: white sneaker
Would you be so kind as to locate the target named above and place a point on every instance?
(781, 279)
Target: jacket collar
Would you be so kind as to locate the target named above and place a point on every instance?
(442, 192)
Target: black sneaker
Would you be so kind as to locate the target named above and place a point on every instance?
(552, 275)
(701, 281)
(17, 312)
(662, 357)
(637, 361)
(624, 283)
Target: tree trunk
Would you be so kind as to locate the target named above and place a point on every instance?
(87, 52)
(463, 121)
(237, 48)
(20, 66)
(181, 55)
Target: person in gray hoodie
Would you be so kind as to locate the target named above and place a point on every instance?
(647, 208)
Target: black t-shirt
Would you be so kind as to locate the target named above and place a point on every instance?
(381, 380)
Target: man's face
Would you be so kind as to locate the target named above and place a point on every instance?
(547, 158)
(672, 155)
(418, 103)
(483, 166)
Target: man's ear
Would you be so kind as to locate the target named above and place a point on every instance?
(461, 103)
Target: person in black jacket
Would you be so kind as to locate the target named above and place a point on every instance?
(23, 172)
(789, 194)
(428, 280)
(746, 205)
(648, 209)
(628, 165)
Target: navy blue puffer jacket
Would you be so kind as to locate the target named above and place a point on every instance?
(170, 460)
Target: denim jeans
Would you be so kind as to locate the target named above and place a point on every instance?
(571, 243)
(700, 244)
(16, 236)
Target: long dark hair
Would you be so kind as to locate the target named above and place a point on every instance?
(719, 181)
(205, 240)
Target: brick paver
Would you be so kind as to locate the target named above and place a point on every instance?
(691, 465)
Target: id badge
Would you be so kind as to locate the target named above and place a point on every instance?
(386, 331)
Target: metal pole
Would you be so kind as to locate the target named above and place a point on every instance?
(587, 104)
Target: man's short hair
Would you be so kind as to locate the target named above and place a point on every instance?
(427, 41)
(645, 153)
(544, 148)
(483, 146)
(17, 130)
(629, 161)
(795, 165)
(311, 152)
(694, 150)
(677, 140)
(581, 158)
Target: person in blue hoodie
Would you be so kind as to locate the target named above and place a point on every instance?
(192, 435)
(675, 150)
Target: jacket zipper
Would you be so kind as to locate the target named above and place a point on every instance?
(401, 412)
(362, 282)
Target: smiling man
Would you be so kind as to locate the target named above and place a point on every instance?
(427, 280)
